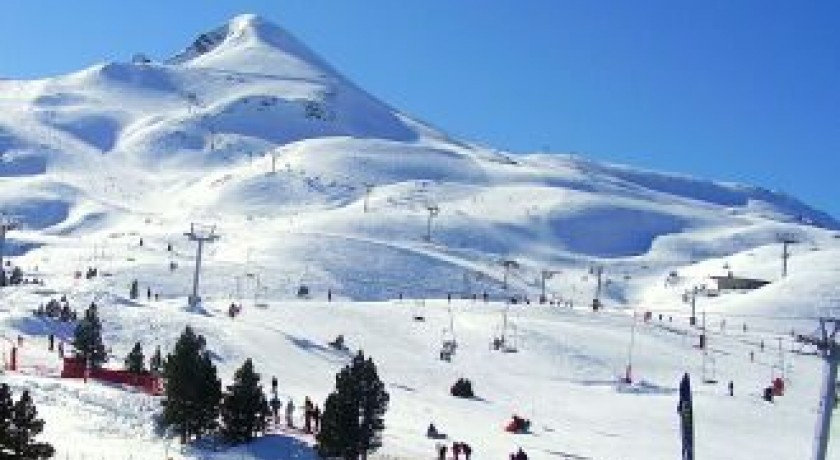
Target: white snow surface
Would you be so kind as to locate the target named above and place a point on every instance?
(250, 131)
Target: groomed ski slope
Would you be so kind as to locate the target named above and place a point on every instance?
(563, 377)
(251, 132)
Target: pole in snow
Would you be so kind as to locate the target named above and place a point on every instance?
(7, 223)
(786, 241)
(368, 190)
(598, 271)
(200, 236)
(434, 210)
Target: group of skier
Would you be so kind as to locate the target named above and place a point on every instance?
(311, 412)
(458, 448)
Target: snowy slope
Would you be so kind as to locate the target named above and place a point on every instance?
(250, 131)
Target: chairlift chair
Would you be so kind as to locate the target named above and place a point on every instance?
(418, 312)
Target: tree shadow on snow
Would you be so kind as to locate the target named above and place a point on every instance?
(645, 388)
(268, 447)
(325, 352)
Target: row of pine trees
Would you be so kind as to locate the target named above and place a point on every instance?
(194, 404)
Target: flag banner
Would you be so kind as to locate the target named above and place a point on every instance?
(686, 418)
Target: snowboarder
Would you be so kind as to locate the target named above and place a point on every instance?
(731, 388)
(290, 410)
(432, 432)
(338, 343)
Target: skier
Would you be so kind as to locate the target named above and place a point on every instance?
(290, 410)
(148, 293)
(441, 448)
(307, 415)
(467, 450)
(61, 350)
(731, 388)
(275, 408)
(456, 449)
(519, 455)
(316, 418)
(768, 394)
(52, 342)
(329, 295)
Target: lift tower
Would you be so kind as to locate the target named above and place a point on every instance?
(200, 234)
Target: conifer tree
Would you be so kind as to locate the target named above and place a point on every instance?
(6, 414)
(193, 390)
(25, 426)
(135, 361)
(87, 339)
(16, 277)
(354, 412)
(244, 406)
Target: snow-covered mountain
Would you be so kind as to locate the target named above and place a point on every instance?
(311, 181)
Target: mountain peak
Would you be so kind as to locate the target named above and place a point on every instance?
(251, 43)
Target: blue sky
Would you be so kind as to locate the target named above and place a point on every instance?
(745, 91)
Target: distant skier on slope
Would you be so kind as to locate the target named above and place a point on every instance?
(290, 411)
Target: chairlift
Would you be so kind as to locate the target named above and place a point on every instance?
(448, 345)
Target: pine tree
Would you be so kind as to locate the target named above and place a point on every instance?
(354, 413)
(193, 390)
(6, 414)
(25, 426)
(156, 362)
(244, 406)
(135, 361)
(16, 276)
(87, 339)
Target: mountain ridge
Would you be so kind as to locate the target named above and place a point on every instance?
(105, 148)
